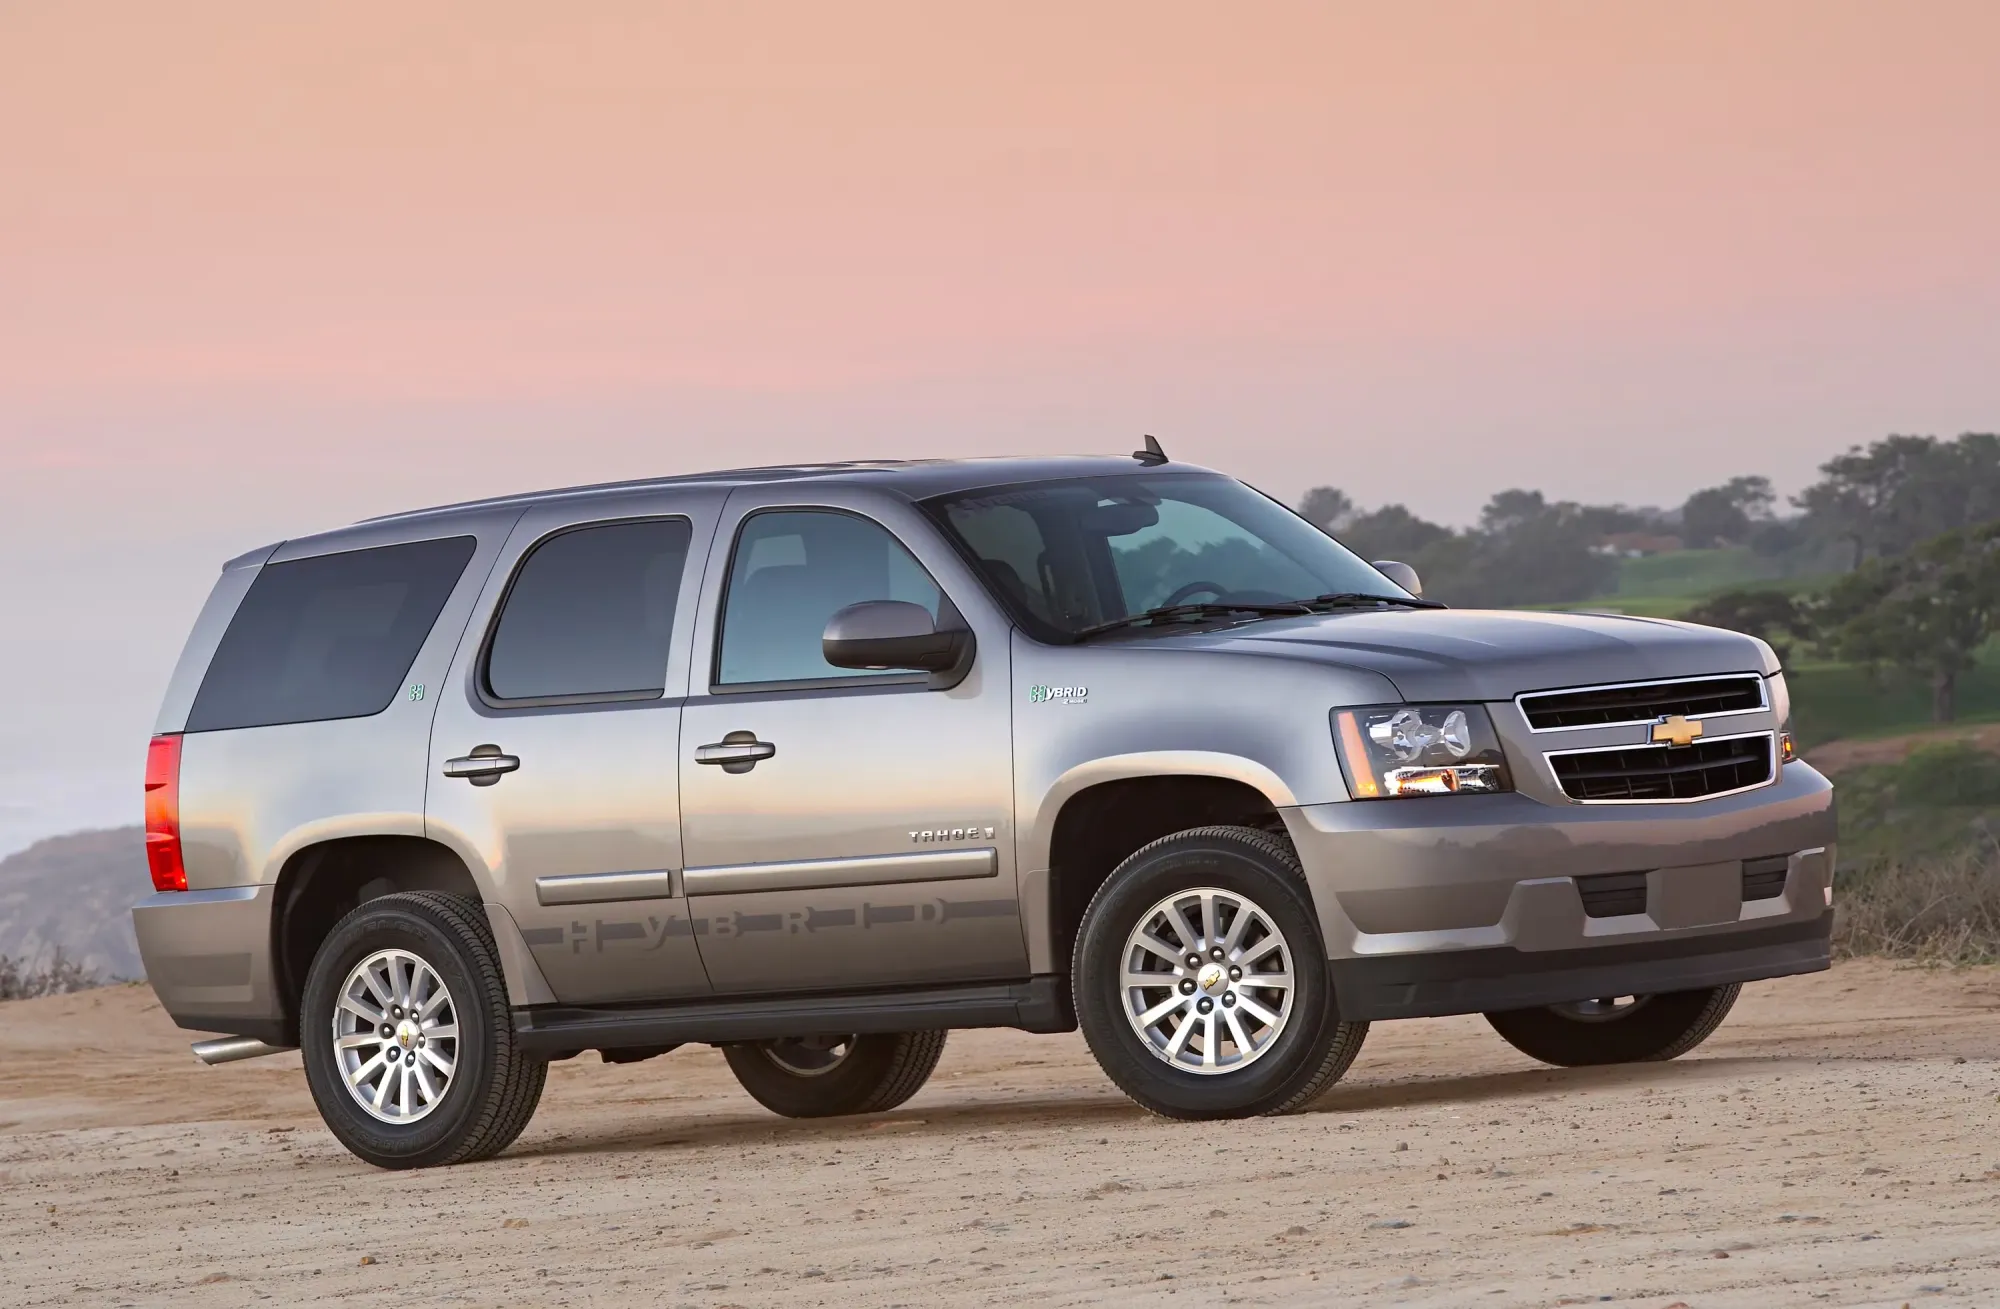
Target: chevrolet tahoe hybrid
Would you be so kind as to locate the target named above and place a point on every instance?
(817, 763)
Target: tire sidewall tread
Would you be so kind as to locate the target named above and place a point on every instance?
(883, 1070)
(1313, 1051)
(1666, 1027)
(495, 1087)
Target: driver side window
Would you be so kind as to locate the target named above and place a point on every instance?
(792, 570)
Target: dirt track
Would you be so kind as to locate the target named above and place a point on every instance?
(1833, 1144)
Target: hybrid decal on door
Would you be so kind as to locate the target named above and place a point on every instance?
(652, 932)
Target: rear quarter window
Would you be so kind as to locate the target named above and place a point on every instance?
(331, 636)
(590, 614)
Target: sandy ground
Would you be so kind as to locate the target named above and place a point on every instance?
(1833, 1144)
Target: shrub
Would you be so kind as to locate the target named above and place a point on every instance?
(27, 979)
(1940, 910)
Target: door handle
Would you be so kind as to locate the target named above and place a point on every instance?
(737, 752)
(483, 767)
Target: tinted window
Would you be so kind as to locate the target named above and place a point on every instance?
(327, 637)
(591, 613)
(790, 573)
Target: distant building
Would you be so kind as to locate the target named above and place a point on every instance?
(1633, 545)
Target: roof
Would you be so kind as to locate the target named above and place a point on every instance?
(916, 479)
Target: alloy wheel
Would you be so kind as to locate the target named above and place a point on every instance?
(395, 1036)
(1206, 981)
(809, 1056)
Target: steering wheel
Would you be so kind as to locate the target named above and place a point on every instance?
(1193, 588)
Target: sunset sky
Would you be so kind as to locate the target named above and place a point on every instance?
(268, 268)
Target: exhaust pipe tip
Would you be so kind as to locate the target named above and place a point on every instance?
(228, 1049)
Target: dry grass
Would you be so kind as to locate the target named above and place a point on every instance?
(28, 979)
(1944, 909)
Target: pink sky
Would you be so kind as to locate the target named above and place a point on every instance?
(264, 269)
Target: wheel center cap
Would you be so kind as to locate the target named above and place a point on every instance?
(406, 1034)
(1211, 978)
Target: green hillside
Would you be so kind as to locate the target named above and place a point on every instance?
(1690, 574)
(1839, 701)
(1830, 701)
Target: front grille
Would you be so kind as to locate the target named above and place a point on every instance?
(1663, 772)
(1612, 895)
(1764, 879)
(1644, 703)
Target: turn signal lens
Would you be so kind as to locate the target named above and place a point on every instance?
(1787, 750)
(1354, 753)
(163, 814)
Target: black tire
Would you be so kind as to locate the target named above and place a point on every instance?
(493, 1087)
(1312, 1049)
(829, 1077)
(1658, 1027)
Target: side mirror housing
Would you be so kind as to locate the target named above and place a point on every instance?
(1401, 574)
(881, 634)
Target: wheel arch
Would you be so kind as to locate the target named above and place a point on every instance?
(1101, 811)
(320, 882)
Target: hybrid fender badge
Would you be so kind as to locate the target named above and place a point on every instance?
(1676, 731)
(1058, 694)
(416, 692)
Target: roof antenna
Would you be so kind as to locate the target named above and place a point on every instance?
(1152, 454)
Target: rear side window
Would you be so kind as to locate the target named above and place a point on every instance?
(328, 637)
(590, 614)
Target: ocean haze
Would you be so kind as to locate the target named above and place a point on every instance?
(270, 271)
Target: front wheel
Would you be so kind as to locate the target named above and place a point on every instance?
(407, 1038)
(1201, 983)
(1617, 1030)
(829, 1076)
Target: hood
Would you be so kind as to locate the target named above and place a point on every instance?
(1493, 654)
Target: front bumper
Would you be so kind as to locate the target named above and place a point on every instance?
(1487, 981)
(1466, 903)
(208, 957)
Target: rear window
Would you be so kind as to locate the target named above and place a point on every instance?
(332, 636)
(590, 614)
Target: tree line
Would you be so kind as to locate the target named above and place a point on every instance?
(1892, 556)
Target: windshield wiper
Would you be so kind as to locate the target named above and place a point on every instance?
(1199, 609)
(1351, 599)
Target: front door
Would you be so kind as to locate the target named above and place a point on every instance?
(843, 829)
(554, 752)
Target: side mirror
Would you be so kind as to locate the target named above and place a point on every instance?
(1401, 574)
(878, 634)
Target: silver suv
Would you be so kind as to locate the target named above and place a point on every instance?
(816, 763)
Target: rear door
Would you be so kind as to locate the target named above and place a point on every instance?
(553, 756)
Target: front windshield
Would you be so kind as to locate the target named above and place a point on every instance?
(1071, 555)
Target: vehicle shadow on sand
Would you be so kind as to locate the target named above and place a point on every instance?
(1085, 1109)
(756, 1127)
(1533, 1083)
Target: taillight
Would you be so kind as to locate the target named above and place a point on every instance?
(163, 814)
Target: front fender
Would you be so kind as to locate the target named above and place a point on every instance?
(1039, 831)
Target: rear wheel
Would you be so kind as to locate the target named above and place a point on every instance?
(407, 1039)
(1201, 983)
(828, 1076)
(1617, 1029)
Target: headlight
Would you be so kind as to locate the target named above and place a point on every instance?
(1398, 750)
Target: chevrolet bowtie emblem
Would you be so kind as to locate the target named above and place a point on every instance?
(1675, 731)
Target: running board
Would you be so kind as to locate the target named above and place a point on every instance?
(228, 1049)
(1040, 1004)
